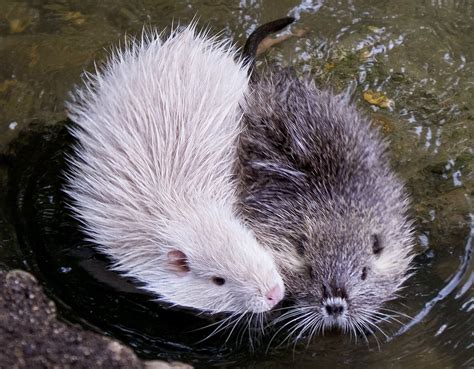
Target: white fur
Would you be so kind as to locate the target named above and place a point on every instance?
(152, 171)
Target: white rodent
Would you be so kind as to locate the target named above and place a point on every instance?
(151, 176)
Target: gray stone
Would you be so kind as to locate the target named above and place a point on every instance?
(32, 337)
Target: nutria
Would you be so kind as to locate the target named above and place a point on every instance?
(317, 189)
(151, 175)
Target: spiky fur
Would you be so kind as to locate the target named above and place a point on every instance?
(316, 187)
(156, 132)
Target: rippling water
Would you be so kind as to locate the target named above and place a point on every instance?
(417, 54)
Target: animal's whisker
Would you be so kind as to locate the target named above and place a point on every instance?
(397, 313)
(302, 319)
(298, 317)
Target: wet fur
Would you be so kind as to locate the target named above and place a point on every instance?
(316, 186)
(156, 132)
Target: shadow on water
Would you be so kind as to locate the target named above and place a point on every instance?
(418, 55)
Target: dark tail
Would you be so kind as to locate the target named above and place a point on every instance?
(250, 49)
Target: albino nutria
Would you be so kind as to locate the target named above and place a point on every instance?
(151, 177)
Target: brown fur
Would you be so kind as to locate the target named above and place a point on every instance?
(317, 189)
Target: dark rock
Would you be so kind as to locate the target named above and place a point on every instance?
(32, 337)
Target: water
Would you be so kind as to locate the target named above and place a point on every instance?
(420, 55)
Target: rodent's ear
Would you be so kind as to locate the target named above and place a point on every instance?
(178, 262)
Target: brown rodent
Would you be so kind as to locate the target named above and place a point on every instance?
(317, 189)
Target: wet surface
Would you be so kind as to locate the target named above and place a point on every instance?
(417, 56)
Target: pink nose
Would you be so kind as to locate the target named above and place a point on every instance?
(275, 295)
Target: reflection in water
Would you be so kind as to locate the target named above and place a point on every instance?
(306, 6)
(420, 55)
(455, 281)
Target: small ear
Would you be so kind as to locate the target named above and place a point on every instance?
(178, 262)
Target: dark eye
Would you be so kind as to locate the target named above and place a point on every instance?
(376, 245)
(218, 280)
(364, 273)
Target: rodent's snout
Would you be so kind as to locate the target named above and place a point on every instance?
(334, 303)
(275, 295)
(334, 307)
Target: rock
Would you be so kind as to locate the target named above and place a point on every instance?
(32, 337)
